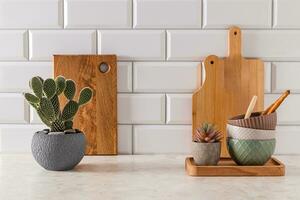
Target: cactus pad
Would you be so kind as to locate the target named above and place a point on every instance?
(31, 98)
(85, 96)
(69, 110)
(47, 109)
(49, 88)
(70, 89)
(37, 86)
(55, 103)
(60, 84)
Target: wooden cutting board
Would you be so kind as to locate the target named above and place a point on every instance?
(97, 119)
(228, 88)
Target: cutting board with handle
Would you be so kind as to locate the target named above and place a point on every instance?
(97, 119)
(228, 88)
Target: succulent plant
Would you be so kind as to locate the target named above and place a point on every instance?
(45, 100)
(207, 133)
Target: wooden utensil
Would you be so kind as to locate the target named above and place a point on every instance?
(251, 107)
(273, 107)
(98, 119)
(230, 84)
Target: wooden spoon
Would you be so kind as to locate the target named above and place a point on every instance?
(251, 107)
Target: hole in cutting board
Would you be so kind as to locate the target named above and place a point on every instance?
(212, 62)
(235, 33)
(104, 67)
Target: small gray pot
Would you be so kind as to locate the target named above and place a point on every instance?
(58, 152)
(206, 153)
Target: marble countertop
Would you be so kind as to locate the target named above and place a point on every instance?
(137, 177)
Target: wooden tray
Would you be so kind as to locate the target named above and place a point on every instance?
(227, 167)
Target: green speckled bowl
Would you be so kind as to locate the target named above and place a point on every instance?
(251, 152)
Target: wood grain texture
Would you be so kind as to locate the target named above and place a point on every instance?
(227, 167)
(97, 119)
(229, 87)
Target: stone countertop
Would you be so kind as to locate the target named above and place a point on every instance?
(137, 177)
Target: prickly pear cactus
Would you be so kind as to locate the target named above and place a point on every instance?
(46, 102)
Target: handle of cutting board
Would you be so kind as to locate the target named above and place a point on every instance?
(234, 42)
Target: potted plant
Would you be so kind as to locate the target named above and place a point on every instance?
(60, 147)
(206, 147)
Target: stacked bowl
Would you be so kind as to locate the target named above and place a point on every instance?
(251, 141)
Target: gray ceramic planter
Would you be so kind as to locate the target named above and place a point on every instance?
(206, 153)
(58, 152)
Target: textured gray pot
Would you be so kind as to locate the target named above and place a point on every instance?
(206, 153)
(58, 152)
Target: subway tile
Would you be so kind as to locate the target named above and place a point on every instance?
(15, 76)
(14, 108)
(269, 45)
(288, 112)
(267, 77)
(245, 14)
(148, 139)
(179, 108)
(98, 14)
(141, 108)
(286, 76)
(286, 137)
(31, 14)
(17, 138)
(195, 45)
(133, 44)
(272, 45)
(165, 76)
(44, 44)
(124, 139)
(167, 14)
(124, 76)
(14, 45)
(286, 14)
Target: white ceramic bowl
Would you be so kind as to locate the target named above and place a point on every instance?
(242, 133)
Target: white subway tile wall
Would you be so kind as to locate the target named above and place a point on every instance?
(125, 139)
(124, 77)
(167, 14)
(141, 108)
(14, 45)
(159, 45)
(147, 139)
(286, 76)
(14, 108)
(286, 14)
(243, 13)
(31, 14)
(179, 108)
(97, 13)
(44, 43)
(151, 76)
(133, 44)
